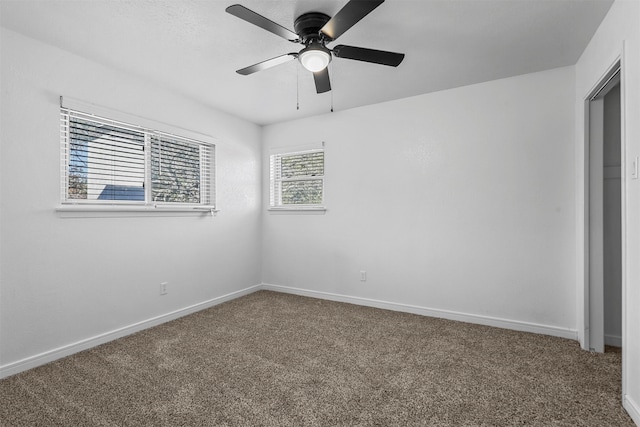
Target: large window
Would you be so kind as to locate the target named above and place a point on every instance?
(297, 179)
(109, 162)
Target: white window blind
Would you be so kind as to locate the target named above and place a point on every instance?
(177, 172)
(297, 179)
(110, 162)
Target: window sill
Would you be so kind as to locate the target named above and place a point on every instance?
(123, 211)
(301, 210)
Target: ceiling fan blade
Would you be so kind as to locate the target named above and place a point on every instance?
(382, 57)
(348, 16)
(262, 22)
(322, 81)
(267, 64)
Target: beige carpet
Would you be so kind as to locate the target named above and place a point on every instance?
(271, 359)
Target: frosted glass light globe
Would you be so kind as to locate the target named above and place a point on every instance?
(315, 58)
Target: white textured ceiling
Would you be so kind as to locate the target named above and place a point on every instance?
(194, 46)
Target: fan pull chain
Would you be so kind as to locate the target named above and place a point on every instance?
(332, 100)
(298, 87)
(334, 79)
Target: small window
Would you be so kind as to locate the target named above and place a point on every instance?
(297, 179)
(109, 162)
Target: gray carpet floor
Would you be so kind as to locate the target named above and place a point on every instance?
(271, 359)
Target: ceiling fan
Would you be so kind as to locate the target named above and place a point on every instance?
(314, 30)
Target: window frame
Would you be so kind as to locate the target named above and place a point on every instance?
(206, 170)
(275, 187)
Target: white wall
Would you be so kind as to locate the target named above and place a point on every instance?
(618, 33)
(64, 280)
(459, 201)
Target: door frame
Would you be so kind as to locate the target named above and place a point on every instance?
(594, 209)
(617, 66)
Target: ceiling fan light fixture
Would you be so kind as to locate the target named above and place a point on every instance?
(315, 57)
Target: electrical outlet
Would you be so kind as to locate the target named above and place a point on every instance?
(164, 288)
(363, 276)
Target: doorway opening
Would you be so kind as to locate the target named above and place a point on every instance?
(604, 210)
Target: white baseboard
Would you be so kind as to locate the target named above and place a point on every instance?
(67, 350)
(432, 312)
(614, 340)
(632, 408)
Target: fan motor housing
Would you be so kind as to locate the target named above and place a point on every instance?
(307, 26)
